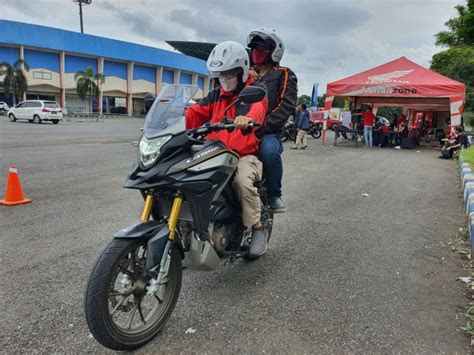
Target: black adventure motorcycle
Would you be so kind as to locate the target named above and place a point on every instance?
(190, 219)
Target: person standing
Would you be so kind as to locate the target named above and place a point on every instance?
(303, 126)
(296, 118)
(369, 119)
(266, 52)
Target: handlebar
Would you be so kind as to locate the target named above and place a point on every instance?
(220, 127)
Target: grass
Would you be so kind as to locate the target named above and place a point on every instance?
(468, 155)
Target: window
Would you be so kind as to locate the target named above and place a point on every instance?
(51, 104)
(42, 75)
(35, 104)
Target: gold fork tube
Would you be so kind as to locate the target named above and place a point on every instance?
(174, 216)
(147, 208)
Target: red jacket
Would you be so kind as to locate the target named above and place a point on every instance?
(211, 108)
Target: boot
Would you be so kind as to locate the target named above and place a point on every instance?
(259, 244)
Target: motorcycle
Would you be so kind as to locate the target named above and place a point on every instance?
(190, 219)
(288, 132)
(314, 130)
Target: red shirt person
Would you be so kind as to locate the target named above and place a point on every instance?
(369, 119)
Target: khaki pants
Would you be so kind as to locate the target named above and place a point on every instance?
(301, 137)
(249, 171)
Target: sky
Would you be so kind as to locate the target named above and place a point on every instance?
(325, 40)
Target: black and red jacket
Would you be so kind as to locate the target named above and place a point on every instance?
(282, 93)
(211, 108)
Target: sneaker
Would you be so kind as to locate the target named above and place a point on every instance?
(277, 205)
(304, 147)
(294, 147)
(259, 243)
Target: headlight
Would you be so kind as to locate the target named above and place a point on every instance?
(149, 149)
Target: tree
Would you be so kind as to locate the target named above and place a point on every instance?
(461, 28)
(86, 85)
(458, 64)
(303, 99)
(15, 82)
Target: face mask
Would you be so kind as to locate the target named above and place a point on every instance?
(259, 57)
(228, 84)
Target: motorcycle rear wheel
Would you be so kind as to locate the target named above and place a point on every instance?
(143, 315)
(315, 133)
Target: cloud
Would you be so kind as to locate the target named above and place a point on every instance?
(325, 40)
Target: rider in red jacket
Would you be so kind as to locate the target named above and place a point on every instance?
(229, 61)
(211, 108)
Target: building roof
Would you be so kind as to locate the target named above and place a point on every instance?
(199, 50)
(18, 33)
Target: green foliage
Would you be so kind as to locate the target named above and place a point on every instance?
(303, 99)
(460, 29)
(389, 111)
(86, 84)
(338, 102)
(321, 100)
(14, 82)
(468, 155)
(469, 328)
(457, 63)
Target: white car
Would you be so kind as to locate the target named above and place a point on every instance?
(4, 106)
(36, 111)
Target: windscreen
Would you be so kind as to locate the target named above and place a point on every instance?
(51, 104)
(166, 115)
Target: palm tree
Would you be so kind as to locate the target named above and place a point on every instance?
(86, 85)
(15, 82)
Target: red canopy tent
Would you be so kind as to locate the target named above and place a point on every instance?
(401, 82)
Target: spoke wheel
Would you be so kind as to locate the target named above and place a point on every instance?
(119, 312)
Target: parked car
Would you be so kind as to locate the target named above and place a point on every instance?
(4, 106)
(317, 118)
(36, 111)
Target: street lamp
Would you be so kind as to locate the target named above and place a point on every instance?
(80, 2)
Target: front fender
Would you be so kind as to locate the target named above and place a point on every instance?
(140, 230)
(157, 234)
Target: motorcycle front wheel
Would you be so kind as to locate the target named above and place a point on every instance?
(121, 315)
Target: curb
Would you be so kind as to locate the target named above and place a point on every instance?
(467, 183)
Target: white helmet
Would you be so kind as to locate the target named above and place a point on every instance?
(228, 55)
(270, 38)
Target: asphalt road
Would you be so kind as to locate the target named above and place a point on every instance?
(344, 273)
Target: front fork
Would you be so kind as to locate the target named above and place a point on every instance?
(172, 223)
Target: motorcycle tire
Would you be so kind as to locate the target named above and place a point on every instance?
(101, 293)
(316, 133)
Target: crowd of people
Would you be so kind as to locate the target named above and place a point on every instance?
(396, 132)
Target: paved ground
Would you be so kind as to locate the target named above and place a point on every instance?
(345, 273)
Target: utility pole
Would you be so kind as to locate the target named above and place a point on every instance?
(80, 2)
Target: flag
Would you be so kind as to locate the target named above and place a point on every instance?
(314, 96)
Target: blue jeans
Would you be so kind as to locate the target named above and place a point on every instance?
(368, 135)
(270, 155)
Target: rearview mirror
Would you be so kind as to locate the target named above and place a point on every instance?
(252, 94)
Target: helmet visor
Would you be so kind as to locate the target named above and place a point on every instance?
(261, 40)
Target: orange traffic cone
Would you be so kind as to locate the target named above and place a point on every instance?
(14, 195)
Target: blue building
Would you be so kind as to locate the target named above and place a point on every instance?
(131, 71)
